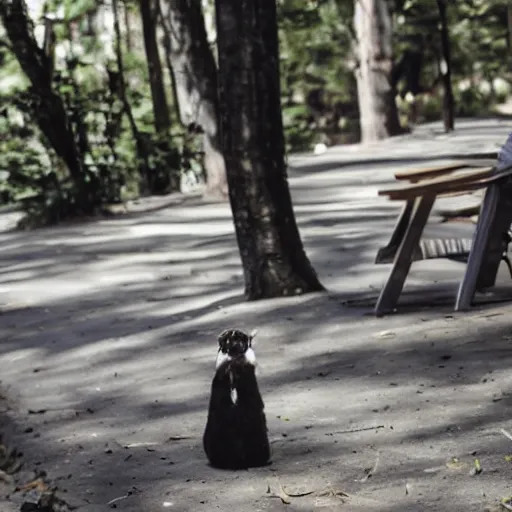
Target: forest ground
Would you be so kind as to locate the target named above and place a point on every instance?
(108, 341)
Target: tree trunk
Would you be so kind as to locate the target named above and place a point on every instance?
(273, 257)
(194, 74)
(48, 108)
(378, 113)
(146, 177)
(149, 10)
(445, 66)
(509, 26)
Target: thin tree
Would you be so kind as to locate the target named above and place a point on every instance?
(273, 257)
(140, 144)
(149, 10)
(445, 68)
(373, 29)
(194, 75)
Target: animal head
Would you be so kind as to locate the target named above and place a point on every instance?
(234, 344)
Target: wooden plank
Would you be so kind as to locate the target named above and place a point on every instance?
(468, 285)
(445, 191)
(458, 182)
(446, 183)
(496, 244)
(453, 194)
(391, 291)
(417, 174)
(434, 248)
(449, 184)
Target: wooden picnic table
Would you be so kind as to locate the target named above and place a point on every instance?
(419, 195)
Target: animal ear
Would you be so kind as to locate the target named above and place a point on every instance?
(252, 336)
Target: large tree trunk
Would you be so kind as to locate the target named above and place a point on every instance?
(194, 74)
(446, 70)
(149, 10)
(273, 258)
(376, 94)
(48, 110)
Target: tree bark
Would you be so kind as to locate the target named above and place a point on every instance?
(378, 113)
(48, 108)
(194, 74)
(509, 26)
(445, 66)
(274, 261)
(149, 10)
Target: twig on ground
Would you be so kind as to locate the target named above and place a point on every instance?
(505, 505)
(362, 429)
(335, 493)
(372, 471)
(5, 477)
(144, 444)
(506, 434)
(298, 494)
(118, 499)
(285, 496)
(178, 438)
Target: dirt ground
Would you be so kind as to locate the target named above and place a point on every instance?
(109, 329)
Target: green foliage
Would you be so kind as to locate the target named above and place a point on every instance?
(318, 89)
(319, 95)
(116, 164)
(316, 79)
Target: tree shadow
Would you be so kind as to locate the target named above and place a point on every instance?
(110, 329)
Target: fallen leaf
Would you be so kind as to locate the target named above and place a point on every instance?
(476, 469)
(455, 463)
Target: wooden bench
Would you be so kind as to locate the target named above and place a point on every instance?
(486, 247)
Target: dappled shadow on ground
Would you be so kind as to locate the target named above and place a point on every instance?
(129, 411)
(108, 336)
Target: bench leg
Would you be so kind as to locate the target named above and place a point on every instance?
(487, 247)
(386, 254)
(496, 245)
(478, 247)
(404, 257)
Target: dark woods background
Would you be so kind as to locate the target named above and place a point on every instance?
(102, 101)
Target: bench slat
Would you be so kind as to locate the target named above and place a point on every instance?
(434, 248)
(455, 182)
(419, 174)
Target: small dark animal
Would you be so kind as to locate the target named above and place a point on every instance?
(236, 430)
